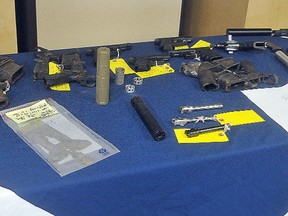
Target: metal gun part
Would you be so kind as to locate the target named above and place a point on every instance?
(190, 109)
(115, 50)
(256, 32)
(203, 53)
(184, 121)
(190, 69)
(232, 46)
(171, 43)
(282, 57)
(9, 70)
(193, 132)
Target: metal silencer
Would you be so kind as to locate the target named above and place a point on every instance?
(103, 76)
(148, 119)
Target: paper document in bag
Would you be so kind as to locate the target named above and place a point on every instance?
(64, 142)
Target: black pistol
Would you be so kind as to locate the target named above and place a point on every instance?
(72, 70)
(171, 43)
(115, 50)
(204, 54)
(144, 63)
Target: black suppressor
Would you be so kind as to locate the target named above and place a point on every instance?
(148, 119)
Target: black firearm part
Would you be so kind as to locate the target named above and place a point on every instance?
(72, 70)
(67, 76)
(279, 53)
(256, 32)
(144, 63)
(205, 54)
(227, 74)
(273, 47)
(171, 43)
(4, 101)
(148, 119)
(43, 57)
(193, 132)
(115, 50)
(10, 72)
(232, 46)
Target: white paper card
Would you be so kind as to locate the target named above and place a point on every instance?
(13, 205)
(273, 101)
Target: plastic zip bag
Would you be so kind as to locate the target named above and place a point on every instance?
(64, 142)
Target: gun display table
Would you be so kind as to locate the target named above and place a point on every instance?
(245, 176)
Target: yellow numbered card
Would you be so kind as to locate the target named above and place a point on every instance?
(239, 117)
(119, 62)
(201, 44)
(156, 71)
(181, 47)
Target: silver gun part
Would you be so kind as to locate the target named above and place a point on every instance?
(190, 109)
(184, 121)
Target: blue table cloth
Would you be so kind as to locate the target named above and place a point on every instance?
(245, 176)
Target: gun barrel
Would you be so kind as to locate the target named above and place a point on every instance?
(126, 46)
(249, 31)
(159, 58)
(282, 57)
(256, 32)
(273, 46)
(157, 41)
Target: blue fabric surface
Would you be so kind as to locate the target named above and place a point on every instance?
(245, 176)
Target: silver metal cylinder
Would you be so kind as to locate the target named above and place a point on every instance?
(103, 76)
(119, 75)
(282, 57)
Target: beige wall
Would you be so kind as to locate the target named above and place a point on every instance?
(267, 13)
(8, 42)
(213, 17)
(60, 22)
(78, 23)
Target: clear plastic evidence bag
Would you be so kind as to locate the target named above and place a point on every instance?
(64, 142)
